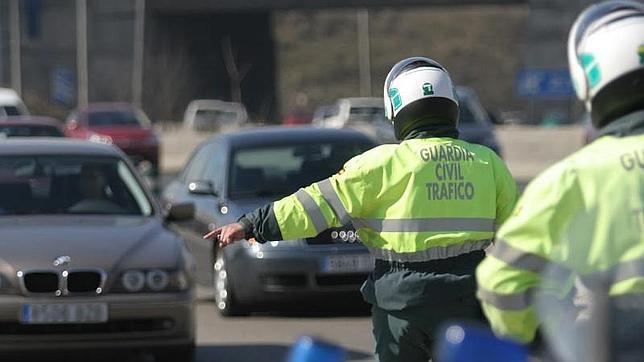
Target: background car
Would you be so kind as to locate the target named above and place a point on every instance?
(234, 173)
(297, 117)
(366, 114)
(323, 112)
(121, 124)
(85, 259)
(214, 115)
(30, 126)
(11, 104)
(474, 123)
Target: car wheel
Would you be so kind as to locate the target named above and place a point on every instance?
(224, 293)
(185, 353)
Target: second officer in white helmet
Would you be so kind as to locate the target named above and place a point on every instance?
(426, 209)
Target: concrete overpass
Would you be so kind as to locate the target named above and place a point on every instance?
(259, 5)
(194, 31)
(185, 43)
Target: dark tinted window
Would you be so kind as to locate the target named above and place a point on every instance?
(367, 111)
(281, 170)
(10, 111)
(69, 185)
(112, 118)
(215, 166)
(29, 131)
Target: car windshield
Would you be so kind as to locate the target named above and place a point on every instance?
(29, 131)
(10, 111)
(113, 118)
(367, 113)
(281, 170)
(216, 115)
(69, 185)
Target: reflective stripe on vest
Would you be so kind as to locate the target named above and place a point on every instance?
(402, 225)
(618, 273)
(597, 281)
(517, 301)
(433, 253)
(313, 210)
(427, 224)
(534, 263)
(331, 198)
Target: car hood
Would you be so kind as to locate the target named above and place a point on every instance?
(106, 242)
(123, 132)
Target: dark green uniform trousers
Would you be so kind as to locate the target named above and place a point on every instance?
(408, 335)
(410, 301)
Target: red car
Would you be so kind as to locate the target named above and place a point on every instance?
(121, 124)
(30, 126)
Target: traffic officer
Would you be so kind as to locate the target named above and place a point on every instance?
(582, 219)
(426, 209)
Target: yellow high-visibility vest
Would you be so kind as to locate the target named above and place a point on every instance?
(581, 219)
(421, 200)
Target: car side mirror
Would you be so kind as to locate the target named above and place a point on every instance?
(201, 188)
(494, 117)
(179, 211)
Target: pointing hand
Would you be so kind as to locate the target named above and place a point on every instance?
(227, 234)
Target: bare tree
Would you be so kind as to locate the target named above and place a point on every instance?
(236, 72)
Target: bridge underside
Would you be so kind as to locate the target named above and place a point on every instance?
(257, 5)
(190, 45)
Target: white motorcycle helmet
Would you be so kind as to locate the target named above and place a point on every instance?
(606, 59)
(419, 92)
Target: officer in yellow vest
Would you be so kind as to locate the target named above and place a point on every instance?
(426, 209)
(582, 220)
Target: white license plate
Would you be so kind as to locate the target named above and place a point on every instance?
(63, 313)
(348, 263)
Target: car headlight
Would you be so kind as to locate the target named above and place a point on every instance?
(133, 280)
(6, 287)
(155, 280)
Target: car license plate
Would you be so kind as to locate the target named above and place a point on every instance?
(63, 313)
(348, 263)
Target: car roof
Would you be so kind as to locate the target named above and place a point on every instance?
(363, 101)
(108, 106)
(53, 146)
(214, 103)
(9, 96)
(30, 120)
(276, 135)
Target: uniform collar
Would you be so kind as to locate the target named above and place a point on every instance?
(629, 125)
(433, 132)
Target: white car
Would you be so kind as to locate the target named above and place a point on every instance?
(367, 114)
(11, 104)
(214, 115)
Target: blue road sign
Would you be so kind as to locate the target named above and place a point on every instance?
(62, 85)
(544, 83)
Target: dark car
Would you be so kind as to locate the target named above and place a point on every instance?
(474, 123)
(30, 126)
(85, 258)
(121, 124)
(234, 173)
